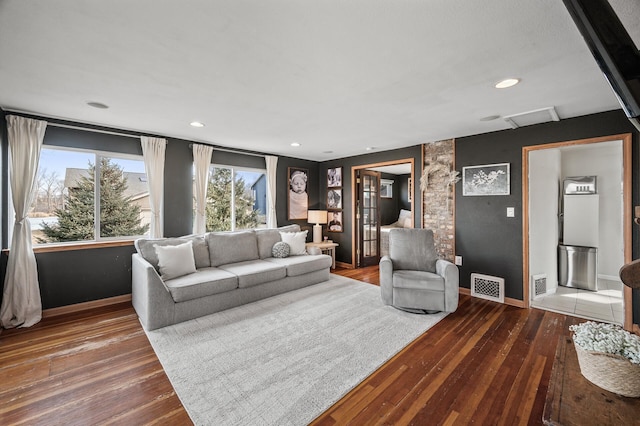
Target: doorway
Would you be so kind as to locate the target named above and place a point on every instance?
(544, 169)
(370, 210)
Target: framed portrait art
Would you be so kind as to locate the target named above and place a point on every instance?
(335, 221)
(334, 177)
(334, 199)
(489, 179)
(298, 199)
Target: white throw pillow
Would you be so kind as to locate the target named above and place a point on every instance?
(296, 241)
(176, 261)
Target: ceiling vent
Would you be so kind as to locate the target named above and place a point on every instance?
(537, 116)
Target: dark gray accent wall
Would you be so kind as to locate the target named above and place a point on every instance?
(404, 202)
(390, 207)
(490, 242)
(343, 251)
(4, 176)
(82, 275)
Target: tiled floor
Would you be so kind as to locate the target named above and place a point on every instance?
(604, 305)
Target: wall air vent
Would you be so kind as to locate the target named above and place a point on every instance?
(537, 116)
(539, 284)
(487, 287)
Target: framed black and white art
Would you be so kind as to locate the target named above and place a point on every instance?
(488, 179)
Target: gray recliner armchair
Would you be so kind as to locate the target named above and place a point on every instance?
(412, 278)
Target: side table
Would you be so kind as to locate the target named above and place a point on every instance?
(327, 248)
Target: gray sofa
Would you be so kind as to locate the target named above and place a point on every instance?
(232, 269)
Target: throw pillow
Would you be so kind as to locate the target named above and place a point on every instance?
(280, 250)
(296, 241)
(176, 261)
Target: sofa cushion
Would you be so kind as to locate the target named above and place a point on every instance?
(200, 250)
(176, 261)
(147, 249)
(253, 272)
(300, 265)
(296, 240)
(268, 237)
(281, 250)
(203, 282)
(232, 247)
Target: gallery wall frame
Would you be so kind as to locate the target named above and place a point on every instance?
(298, 195)
(334, 177)
(334, 199)
(334, 219)
(486, 179)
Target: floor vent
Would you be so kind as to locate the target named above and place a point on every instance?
(487, 287)
(539, 285)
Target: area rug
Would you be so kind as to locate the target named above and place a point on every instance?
(286, 359)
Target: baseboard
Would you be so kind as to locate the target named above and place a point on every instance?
(609, 277)
(507, 300)
(344, 265)
(84, 306)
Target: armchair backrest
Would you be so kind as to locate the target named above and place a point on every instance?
(412, 249)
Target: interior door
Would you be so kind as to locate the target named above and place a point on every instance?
(369, 218)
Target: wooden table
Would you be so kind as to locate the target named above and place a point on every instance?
(327, 248)
(573, 400)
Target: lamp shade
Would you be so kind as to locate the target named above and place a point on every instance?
(317, 216)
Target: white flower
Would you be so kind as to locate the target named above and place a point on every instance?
(607, 338)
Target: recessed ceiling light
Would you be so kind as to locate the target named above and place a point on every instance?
(327, 152)
(196, 124)
(370, 148)
(296, 144)
(98, 105)
(508, 82)
(490, 118)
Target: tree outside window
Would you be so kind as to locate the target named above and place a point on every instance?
(234, 199)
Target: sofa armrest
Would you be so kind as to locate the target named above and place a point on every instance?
(386, 280)
(149, 295)
(451, 276)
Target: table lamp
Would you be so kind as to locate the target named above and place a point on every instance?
(318, 217)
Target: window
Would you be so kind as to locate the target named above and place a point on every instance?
(68, 201)
(236, 198)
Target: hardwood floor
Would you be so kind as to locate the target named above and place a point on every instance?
(486, 363)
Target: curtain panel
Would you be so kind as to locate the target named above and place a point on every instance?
(21, 303)
(272, 167)
(201, 160)
(153, 152)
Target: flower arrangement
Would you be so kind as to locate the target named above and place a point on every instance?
(607, 338)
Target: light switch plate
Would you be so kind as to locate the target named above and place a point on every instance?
(458, 260)
(511, 211)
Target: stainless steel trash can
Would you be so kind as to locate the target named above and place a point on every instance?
(578, 267)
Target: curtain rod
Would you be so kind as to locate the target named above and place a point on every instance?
(233, 151)
(129, 135)
(108, 132)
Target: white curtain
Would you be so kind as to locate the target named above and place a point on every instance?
(153, 152)
(272, 167)
(201, 160)
(21, 303)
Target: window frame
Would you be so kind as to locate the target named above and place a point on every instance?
(97, 240)
(235, 169)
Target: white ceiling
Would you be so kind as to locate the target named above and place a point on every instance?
(336, 76)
